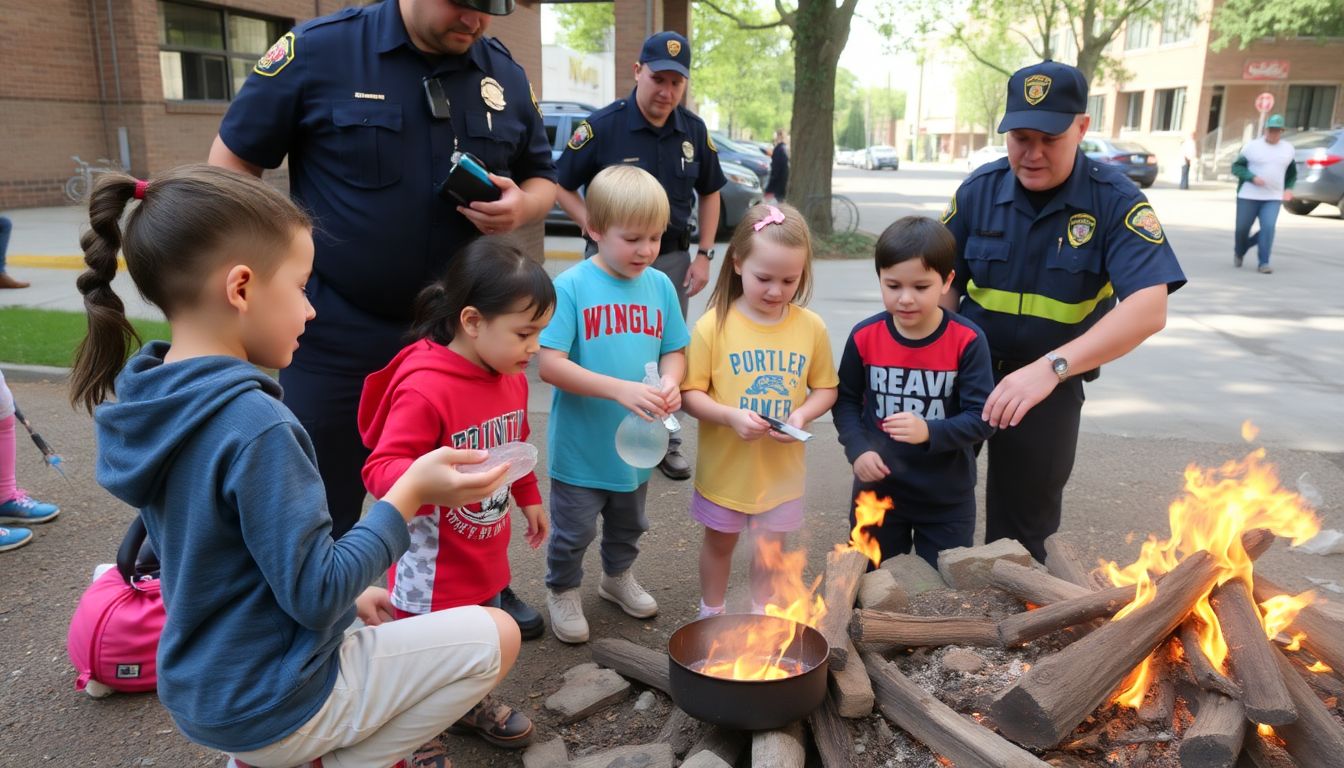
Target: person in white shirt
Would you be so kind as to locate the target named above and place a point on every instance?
(1189, 156)
(1265, 172)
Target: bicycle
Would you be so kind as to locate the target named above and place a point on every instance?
(78, 187)
(840, 210)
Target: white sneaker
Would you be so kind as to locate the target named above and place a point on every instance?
(623, 590)
(567, 619)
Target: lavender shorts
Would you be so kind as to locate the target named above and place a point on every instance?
(784, 518)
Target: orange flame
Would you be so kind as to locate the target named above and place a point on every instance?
(757, 650)
(1279, 612)
(868, 511)
(1264, 730)
(1217, 508)
(1320, 666)
(1249, 431)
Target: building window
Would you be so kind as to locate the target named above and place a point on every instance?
(1168, 109)
(1096, 109)
(1309, 107)
(205, 53)
(1178, 21)
(1138, 34)
(1133, 101)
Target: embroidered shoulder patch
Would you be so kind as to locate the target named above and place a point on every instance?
(533, 94)
(1081, 227)
(710, 141)
(1142, 221)
(277, 57)
(950, 210)
(582, 135)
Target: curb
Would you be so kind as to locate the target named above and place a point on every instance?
(31, 374)
(31, 261)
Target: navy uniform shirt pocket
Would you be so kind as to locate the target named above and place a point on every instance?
(1075, 274)
(493, 140)
(987, 259)
(370, 142)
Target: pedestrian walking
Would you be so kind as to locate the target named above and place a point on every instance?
(779, 169)
(373, 105)
(651, 130)
(1189, 156)
(1268, 164)
(7, 280)
(1047, 241)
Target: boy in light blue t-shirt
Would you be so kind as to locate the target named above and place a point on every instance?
(613, 314)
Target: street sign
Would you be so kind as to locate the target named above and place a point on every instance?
(1264, 102)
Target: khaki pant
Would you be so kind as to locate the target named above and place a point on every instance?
(400, 684)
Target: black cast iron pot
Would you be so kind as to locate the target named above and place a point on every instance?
(745, 705)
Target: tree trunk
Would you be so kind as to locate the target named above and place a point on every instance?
(820, 32)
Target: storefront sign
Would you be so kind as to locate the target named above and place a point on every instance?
(1265, 69)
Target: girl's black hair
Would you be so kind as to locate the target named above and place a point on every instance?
(491, 274)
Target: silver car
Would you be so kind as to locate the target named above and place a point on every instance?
(1320, 171)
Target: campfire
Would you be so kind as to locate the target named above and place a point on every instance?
(1183, 657)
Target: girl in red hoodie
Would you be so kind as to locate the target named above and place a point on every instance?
(462, 384)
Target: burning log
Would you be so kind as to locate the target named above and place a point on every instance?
(830, 734)
(852, 689)
(1021, 627)
(1057, 693)
(1062, 560)
(1031, 585)
(938, 726)
(633, 661)
(1265, 752)
(1160, 703)
(844, 567)
(913, 631)
(1315, 739)
(1325, 636)
(1206, 676)
(1265, 691)
(783, 747)
(1215, 738)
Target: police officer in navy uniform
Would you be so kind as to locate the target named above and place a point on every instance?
(1047, 242)
(650, 129)
(370, 104)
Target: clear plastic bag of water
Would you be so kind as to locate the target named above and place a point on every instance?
(522, 458)
(639, 443)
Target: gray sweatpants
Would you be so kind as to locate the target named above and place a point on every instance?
(574, 513)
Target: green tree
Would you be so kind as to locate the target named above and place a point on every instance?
(745, 72)
(853, 135)
(1244, 21)
(980, 87)
(586, 27)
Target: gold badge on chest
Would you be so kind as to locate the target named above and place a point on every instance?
(492, 93)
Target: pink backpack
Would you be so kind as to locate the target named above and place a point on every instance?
(114, 634)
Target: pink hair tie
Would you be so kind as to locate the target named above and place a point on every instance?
(775, 216)
(140, 186)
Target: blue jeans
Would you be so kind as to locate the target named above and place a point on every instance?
(1247, 212)
(5, 228)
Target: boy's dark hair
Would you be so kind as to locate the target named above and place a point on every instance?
(189, 221)
(917, 237)
(491, 274)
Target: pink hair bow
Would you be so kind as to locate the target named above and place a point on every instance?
(775, 216)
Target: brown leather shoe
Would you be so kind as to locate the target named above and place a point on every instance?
(8, 281)
(498, 724)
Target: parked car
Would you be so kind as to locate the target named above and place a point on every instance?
(880, 156)
(986, 154)
(743, 154)
(844, 156)
(1129, 158)
(742, 191)
(1320, 171)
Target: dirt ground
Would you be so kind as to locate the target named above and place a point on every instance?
(1120, 491)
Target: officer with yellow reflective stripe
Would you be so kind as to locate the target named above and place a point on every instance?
(1065, 266)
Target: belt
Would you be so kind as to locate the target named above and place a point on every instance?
(675, 240)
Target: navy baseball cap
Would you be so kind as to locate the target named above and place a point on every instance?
(492, 7)
(1044, 97)
(667, 51)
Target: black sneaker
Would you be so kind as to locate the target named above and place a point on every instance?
(674, 465)
(529, 621)
(1237, 259)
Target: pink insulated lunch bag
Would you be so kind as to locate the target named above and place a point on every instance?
(114, 634)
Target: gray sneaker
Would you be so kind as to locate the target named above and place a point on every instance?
(567, 619)
(674, 465)
(623, 590)
(1265, 269)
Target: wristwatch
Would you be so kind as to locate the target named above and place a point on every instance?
(708, 254)
(1059, 365)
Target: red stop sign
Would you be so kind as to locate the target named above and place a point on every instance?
(1264, 102)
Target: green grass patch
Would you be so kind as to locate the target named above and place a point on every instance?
(842, 245)
(49, 337)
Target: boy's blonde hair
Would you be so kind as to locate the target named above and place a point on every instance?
(626, 196)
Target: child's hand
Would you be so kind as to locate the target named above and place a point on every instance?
(747, 424)
(869, 467)
(906, 427)
(434, 479)
(537, 525)
(373, 607)
(796, 421)
(671, 393)
(642, 400)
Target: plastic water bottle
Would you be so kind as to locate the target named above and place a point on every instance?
(642, 444)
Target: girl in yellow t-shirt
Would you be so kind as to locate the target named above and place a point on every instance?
(755, 352)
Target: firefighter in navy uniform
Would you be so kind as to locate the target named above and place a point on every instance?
(650, 129)
(1065, 266)
(370, 104)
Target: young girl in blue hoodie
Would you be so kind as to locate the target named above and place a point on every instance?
(255, 659)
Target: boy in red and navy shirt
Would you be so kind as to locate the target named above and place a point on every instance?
(913, 383)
